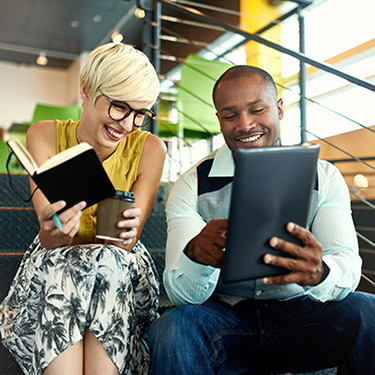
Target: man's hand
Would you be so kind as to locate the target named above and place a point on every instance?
(306, 266)
(207, 247)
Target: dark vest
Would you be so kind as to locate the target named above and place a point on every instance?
(213, 203)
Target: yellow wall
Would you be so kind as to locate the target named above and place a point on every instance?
(360, 143)
(261, 15)
(257, 54)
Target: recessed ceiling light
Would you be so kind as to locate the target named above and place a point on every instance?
(117, 37)
(42, 59)
(96, 18)
(140, 13)
(74, 24)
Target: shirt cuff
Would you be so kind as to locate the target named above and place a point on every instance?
(196, 271)
(327, 290)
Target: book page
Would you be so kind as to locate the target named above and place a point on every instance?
(23, 156)
(64, 156)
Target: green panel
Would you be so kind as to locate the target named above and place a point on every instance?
(194, 97)
(18, 131)
(192, 134)
(56, 112)
(167, 129)
(14, 165)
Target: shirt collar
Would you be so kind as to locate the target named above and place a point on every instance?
(223, 164)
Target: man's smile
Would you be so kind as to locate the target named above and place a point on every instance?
(249, 139)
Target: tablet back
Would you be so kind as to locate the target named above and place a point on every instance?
(271, 187)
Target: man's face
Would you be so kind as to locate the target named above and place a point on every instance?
(248, 112)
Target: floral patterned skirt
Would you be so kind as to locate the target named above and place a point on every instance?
(57, 294)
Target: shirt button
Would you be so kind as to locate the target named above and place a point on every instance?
(259, 292)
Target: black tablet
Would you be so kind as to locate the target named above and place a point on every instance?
(272, 186)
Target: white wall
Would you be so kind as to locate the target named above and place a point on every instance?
(72, 84)
(21, 87)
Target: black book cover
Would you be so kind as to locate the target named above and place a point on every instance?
(81, 178)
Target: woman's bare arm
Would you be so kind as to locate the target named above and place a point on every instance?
(150, 170)
(41, 143)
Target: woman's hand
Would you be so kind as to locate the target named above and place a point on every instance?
(50, 236)
(130, 234)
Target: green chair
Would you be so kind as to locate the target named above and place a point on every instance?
(194, 96)
(14, 165)
(54, 112)
(4, 152)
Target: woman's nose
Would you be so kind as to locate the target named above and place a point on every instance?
(127, 123)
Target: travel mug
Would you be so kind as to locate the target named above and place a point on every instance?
(109, 213)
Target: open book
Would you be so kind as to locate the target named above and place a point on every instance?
(73, 175)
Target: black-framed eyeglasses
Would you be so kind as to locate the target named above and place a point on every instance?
(119, 110)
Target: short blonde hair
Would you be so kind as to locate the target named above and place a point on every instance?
(120, 71)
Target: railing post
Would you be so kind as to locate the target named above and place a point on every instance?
(156, 35)
(302, 75)
(151, 43)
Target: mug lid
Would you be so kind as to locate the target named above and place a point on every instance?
(125, 195)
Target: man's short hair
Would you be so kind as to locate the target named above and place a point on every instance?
(239, 71)
(120, 71)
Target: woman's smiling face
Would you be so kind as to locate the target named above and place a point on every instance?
(105, 131)
(249, 112)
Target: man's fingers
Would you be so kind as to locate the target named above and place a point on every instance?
(213, 258)
(291, 264)
(301, 233)
(286, 246)
(283, 279)
(304, 261)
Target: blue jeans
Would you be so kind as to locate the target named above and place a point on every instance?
(298, 335)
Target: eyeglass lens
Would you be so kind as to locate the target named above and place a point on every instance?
(119, 111)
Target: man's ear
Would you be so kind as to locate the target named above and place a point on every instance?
(83, 92)
(280, 109)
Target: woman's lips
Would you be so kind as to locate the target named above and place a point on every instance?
(113, 134)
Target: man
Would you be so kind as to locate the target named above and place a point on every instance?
(306, 320)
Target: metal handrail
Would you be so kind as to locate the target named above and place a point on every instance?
(301, 57)
(298, 55)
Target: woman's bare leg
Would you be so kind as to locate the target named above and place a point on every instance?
(69, 362)
(97, 360)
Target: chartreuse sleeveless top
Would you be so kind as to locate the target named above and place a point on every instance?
(121, 167)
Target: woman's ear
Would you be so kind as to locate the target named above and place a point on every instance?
(83, 92)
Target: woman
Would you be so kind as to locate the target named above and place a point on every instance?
(77, 306)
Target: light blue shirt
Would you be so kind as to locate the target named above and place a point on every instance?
(188, 282)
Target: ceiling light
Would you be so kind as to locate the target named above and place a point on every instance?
(140, 13)
(74, 24)
(97, 18)
(361, 181)
(117, 37)
(42, 59)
